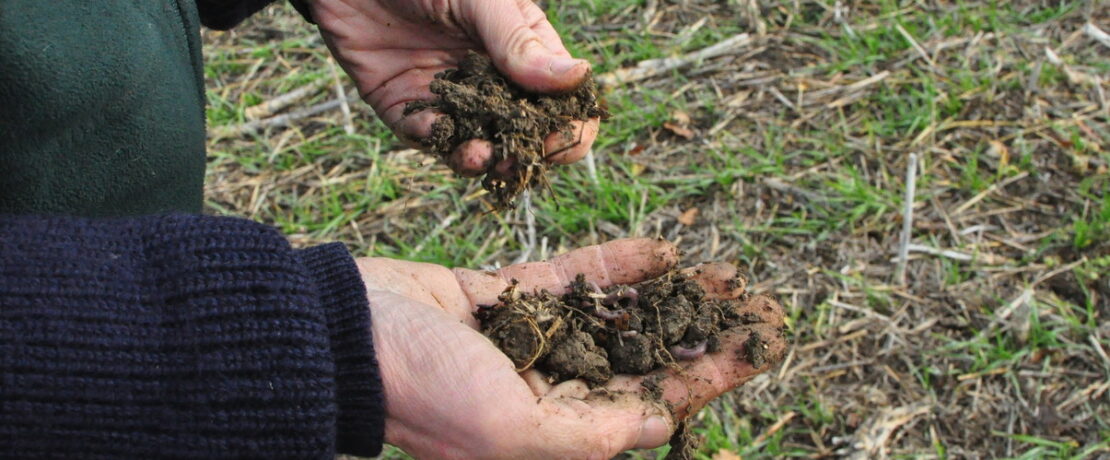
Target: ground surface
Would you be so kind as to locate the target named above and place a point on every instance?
(787, 154)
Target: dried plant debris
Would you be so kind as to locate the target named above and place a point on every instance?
(480, 103)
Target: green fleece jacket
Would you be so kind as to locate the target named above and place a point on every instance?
(102, 104)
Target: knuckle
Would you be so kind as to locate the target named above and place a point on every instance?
(602, 446)
(521, 39)
(562, 271)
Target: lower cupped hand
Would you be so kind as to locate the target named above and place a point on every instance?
(451, 394)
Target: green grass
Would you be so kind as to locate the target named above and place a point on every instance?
(1092, 224)
(1041, 448)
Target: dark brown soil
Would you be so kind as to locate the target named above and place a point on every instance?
(683, 443)
(481, 103)
(592, 334)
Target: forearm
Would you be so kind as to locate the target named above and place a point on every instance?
(183, 336)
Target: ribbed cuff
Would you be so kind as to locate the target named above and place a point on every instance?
(361, 402)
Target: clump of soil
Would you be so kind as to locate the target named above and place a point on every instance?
(481, 103)
(592, 334)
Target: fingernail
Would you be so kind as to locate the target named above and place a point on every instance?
(561, 65)
(654, 433)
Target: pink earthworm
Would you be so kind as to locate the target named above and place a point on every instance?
(609, 314)
(631, 294)
(688, 354)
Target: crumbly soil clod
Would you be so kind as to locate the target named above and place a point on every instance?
(593, 334)
(480, 103)
(683, 443)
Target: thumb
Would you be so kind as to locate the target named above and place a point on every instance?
(604, 424)
(518, 50)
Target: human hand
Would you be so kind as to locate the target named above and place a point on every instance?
(451, 394)
(393, 49)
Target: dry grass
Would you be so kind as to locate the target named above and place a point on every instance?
(792, 147)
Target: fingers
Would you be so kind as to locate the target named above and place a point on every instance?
(569, 147)
(720, 280)
(560, 147)
(413, 127)
(536, 382)
(745, 351)
(576, 388)
(390, 97)
(472, 158)
(520, 51)
(616, 262)
(475, 156)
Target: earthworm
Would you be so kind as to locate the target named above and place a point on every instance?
(613, 299)
(597, 288)
(688, 354)
(609, 314)
(589, 301)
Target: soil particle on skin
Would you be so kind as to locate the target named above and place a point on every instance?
(480, 103)
(755, 350)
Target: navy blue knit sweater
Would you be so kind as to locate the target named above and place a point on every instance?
(181, 336)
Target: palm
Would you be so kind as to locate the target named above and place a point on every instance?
(392, 69)
(425, 341)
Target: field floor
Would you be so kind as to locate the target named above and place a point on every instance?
(780, 139)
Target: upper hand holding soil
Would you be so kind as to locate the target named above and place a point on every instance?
(451, 394)
(393, 49)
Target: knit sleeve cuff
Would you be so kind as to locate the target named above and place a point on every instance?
(361, 402)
